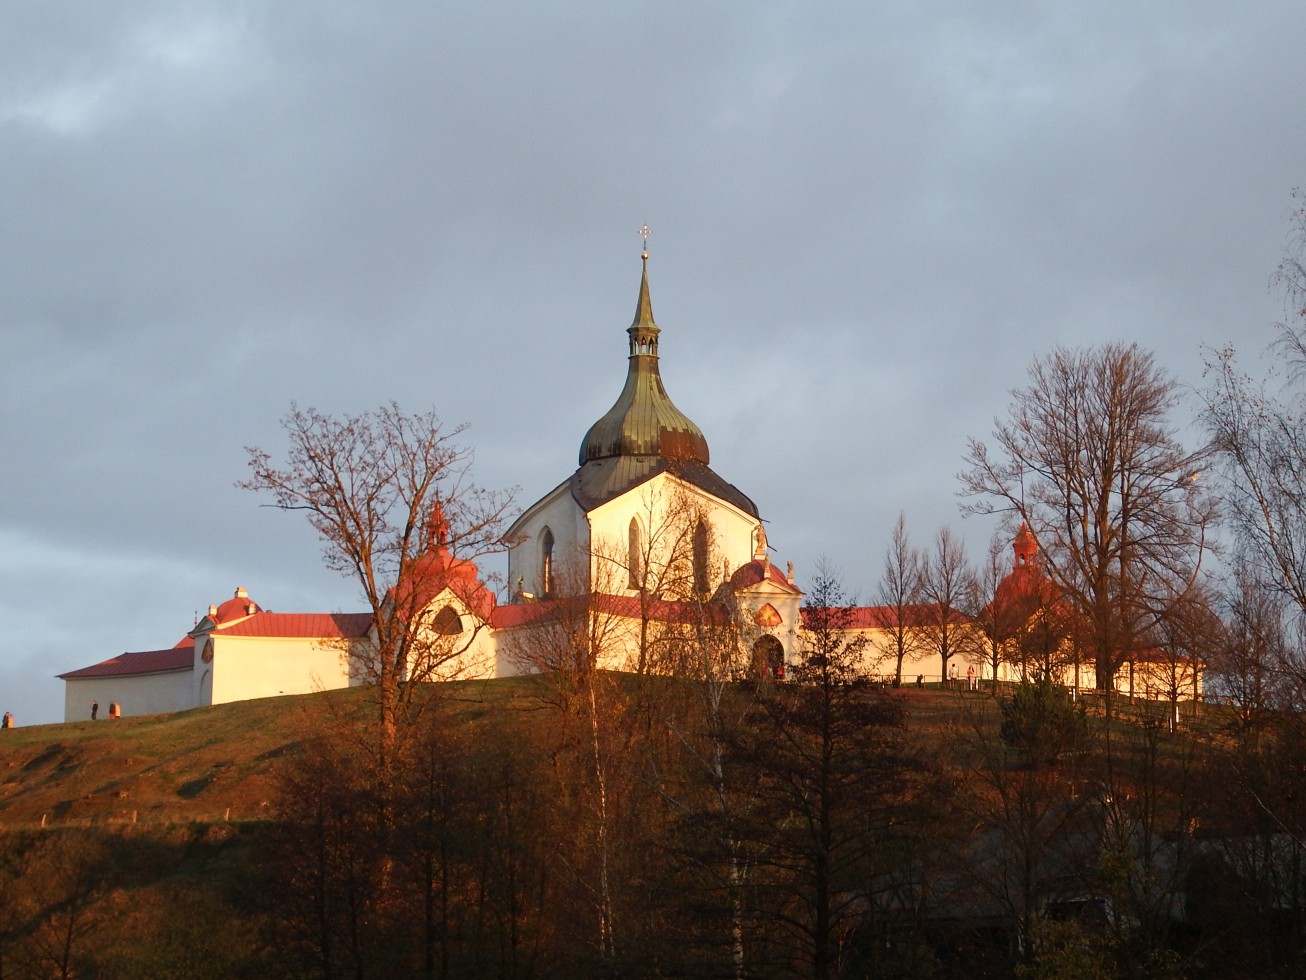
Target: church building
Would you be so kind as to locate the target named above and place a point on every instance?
(644, 528)
(643, 533)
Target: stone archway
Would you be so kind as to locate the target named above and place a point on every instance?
(768, 657)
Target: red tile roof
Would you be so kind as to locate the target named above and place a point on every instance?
(668, 611)
(753, 573)
(435, 570)
(283, 625)
(1159, 655)
(128, 664)
(626, 606)
(182, 656)
(881, 617)
(236, 607)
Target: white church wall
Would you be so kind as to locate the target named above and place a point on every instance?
(784, 604)
(468, 655)
(246, 667)
(879, 658)
(560, 513)
(136, 694)
(658, 505)
(547, 644)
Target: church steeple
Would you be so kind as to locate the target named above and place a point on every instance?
(1025, 548)
(643, 421)
(643, 331)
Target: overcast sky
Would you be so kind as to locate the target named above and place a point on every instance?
(866, 220)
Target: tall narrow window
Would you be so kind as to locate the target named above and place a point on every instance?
(634, 556)
(701, 541)
(546, 563)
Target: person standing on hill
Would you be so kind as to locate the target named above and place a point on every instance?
(95, 708)
(8, 721)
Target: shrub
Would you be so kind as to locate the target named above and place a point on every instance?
(1042, 720)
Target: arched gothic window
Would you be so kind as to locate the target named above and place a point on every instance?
(702, 538)
(634, 555)
(546, 562)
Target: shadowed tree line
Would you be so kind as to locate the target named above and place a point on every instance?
(665, 827)
(814, 828)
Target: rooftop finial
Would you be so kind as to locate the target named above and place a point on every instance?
(644, 233)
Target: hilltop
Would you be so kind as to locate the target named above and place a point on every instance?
(222, 762)
(123, 841)
(206, 764)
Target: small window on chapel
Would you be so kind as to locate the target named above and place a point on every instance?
(447, 622)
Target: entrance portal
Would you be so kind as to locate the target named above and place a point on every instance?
(769, 657)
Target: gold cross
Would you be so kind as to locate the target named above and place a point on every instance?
(644, 233)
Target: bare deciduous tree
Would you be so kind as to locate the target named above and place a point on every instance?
(377, 487)
(1252, 649)
(1259, 430)
(828, 774)
(1089, 459)
(947, 587)
(899, 592)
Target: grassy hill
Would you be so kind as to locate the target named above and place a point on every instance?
(203, 764)
(122, 842)
(209, 764)
(220, 763)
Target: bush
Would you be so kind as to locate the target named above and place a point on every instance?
(1042, 720)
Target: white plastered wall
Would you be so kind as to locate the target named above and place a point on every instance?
(879, 657)
(786, 604)
(247, 667)
(653, 504)
(470, 655)
(560, 513)
(136, 694)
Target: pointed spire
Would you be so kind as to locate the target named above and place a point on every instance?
(437, 528)
(644, 308)
(643, 421)
(643, 330)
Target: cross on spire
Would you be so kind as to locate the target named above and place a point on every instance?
(644, 233)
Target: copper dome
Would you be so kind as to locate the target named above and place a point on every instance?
(643, 421)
